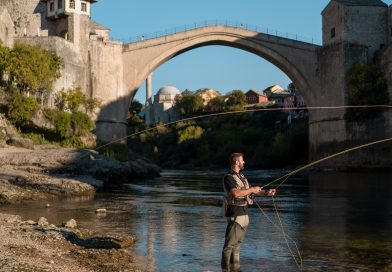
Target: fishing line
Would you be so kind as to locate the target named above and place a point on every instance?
(284, 178)
(327, 158)
(284, 234)
(241, 111)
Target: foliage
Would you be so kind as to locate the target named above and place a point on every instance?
(21, 109)
(190, 133)
(74, 99)
(4, 56)
(133, 117)
(216, 104)
(208, 142)
(237, 99)
(31, 68)
(188, 103)
(366, 86)
(63, 124)
(81, 123)
(291, 88)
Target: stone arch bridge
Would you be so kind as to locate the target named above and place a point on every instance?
(298, 60)
(317, 71)
(295, 58)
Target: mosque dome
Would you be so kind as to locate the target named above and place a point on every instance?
(168, 90)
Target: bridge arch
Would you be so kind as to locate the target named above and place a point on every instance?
(296, 59)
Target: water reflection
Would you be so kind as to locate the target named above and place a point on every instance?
(340, 222)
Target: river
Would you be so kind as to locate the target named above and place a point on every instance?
(332, 221)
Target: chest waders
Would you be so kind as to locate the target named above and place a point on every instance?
(236, 211)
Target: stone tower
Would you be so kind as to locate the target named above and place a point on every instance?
(354, 31)
(361, 22)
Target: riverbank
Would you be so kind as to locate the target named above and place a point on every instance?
(48, 172)
(41, 246)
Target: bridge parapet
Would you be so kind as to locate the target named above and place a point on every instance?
(228, 23)
(241, 33)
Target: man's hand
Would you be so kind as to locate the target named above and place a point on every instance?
(271, 192)
(256, 189)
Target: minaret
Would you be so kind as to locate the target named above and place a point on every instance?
(148, 91)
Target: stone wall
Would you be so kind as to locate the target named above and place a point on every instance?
(329, 132)
(28, 16)
(351, 26)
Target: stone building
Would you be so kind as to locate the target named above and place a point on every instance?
(162, 111)
(344, 22)
(92, 61)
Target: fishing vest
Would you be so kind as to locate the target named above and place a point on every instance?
(242, 183)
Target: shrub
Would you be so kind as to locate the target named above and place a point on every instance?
(81, 123)
(366, 86)
(21, 109)
(63, 124)
(191, 132)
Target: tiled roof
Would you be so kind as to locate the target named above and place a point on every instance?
(375, 3)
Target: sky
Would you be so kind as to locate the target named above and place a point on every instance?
(217, 67)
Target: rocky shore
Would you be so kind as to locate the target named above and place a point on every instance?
(39, 246)
(48, 172)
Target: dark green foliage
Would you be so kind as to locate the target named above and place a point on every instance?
(68, 125)
(133, 117)
(21, 109)
(62, 124)
(188, 104)
(209, 142)
(81, 123)
(217, 104)
(366, 86)
(236, 100)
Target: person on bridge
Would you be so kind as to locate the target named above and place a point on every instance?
(238, 195)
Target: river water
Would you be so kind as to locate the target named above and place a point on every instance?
(316, 222)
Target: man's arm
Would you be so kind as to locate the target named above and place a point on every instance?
(244, 192)
(263, 192)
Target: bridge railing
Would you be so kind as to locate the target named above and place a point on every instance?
(205, 23)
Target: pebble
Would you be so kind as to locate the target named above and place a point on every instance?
(70, 224)
(100, 211)
(42, 221)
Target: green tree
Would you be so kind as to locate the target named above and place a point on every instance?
(33, 69)
(366, 86)
(189, 133)
(4, 56)
(217, 104)
(236, 99)
(21, 109)
(188, 103)
(133, 118)
(74, 99)
(291, 88)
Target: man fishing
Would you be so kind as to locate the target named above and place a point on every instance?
(238, 195)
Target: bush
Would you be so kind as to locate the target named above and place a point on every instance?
(63, 124)
(189, 133)
(21, 109)
(81, 123)
(366, 86)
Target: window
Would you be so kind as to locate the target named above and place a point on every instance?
(59, 4)
(84, 6)
(72, 4)
(51, 6)
(333, 32)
